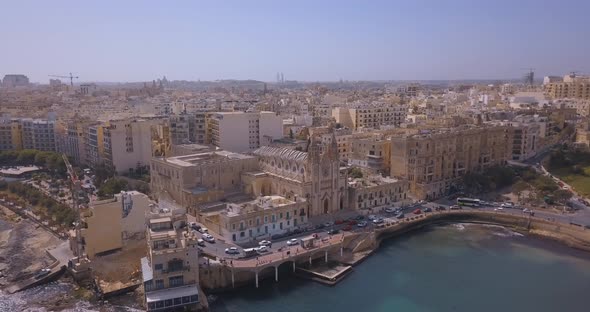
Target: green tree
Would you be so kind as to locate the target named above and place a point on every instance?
(355, 173)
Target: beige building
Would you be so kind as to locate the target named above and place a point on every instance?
(170, 271)
(373, 154)
(200, 178)
(128, 143)
(433, 161)
(574, 87)
(111, 221)
(259, 219)
(244, 131)
(377, 191)
(370, 116)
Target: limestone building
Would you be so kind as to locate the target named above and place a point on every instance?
(433, 161)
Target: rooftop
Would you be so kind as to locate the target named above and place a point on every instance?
(281, 152)
(261, 203)
(194, 159)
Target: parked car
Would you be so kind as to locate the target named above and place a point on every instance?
(208, 238)
(293, 242)
(352, 222)
(440, 208)
(203, 230)
(455, 207)
(329, 223)
(333, 231)
(389, 210)
(400, 215)
(232, 251)
(427, 209)
(378, 221)
(262, 249)
(360, 217)
(498, 209)
(372, 217)
(320, 226)
(195, 226)
(507, 205)
(265, 243)
(339, 222)
(417, 211)
(362, 224)
(201, 242)
(526, 210)
(347, 228)
(42, 273)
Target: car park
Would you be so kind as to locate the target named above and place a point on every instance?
(232, 251)
(293, 242)
(360, 217)
(347, 228)
(372, 217)
(440, 208)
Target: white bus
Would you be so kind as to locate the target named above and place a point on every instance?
(471, 202)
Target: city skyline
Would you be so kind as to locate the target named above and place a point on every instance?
(306, 41)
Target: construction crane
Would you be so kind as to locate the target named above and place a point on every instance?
(75, 189)
(71, 77)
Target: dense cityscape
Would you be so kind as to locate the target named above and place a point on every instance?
(169, 189)
(232, 156)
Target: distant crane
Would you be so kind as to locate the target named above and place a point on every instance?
(71, 77)
(75, 189)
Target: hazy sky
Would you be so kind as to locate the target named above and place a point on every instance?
(313, 40)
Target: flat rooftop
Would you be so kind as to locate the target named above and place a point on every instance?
(199, 158)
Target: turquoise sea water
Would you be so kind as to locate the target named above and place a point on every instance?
(450, 268)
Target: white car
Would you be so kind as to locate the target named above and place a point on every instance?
(372, 217)
(378, 220)
(389, 210)
(204, 230)
(265, 243)
(293, 242)
(362, 224)
(262, 249)
(507, 205)
(208, 238)
(200, 242)
(232, 251)
(498, 209)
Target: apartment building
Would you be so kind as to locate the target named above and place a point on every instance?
(170, 272)
(434, 160)
(71, 140)
(93, 144)
(526, 139)
(128, 143)
(572, 86)
(38, 134)
(373, 154)
(10, 134)
(370, 116)
(15, 80)
(376, 191)
(244, 131)
(188, 128)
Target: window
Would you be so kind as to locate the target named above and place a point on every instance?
(176, 281)
(168, 303)
(159, 284)
(194, 298)
(186, 299)
(177, 301)
(158, 266)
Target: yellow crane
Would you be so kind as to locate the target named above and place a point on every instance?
(71, 77)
